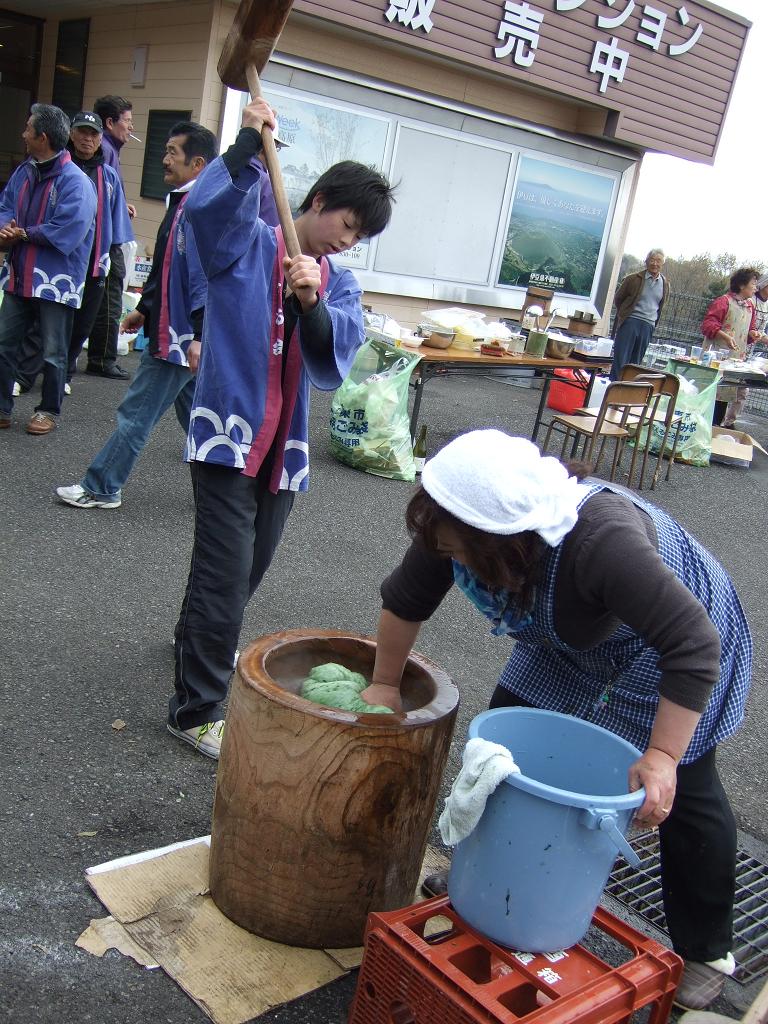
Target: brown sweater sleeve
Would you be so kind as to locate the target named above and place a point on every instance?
(610, 572)
(418, 585)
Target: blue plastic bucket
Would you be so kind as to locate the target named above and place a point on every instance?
(532, 872)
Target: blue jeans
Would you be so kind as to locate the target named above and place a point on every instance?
(17, 315)
(156, 386)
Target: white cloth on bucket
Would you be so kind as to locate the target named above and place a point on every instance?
(503, 485)
(484, 766)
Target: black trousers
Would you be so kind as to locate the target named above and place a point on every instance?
(31, 360)
(238, 525)
(85, 319)
(698, 856)
(102, 342)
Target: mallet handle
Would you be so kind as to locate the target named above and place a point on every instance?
(275, 173)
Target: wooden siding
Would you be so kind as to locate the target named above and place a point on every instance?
(183, 43)
(379, 59)
(674, 105)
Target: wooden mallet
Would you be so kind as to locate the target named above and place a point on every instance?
(247, 49)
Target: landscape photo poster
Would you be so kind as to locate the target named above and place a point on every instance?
(556, 227)
(320, 135)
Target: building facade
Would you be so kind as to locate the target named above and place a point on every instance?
(515, 130)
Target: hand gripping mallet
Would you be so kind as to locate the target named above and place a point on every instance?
(247, 49)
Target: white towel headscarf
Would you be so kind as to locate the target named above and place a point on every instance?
(502, 484)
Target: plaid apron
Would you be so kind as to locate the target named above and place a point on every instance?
(615, 683)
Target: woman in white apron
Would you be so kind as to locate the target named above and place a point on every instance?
(730, 322)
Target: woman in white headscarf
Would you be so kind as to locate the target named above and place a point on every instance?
(620, 617)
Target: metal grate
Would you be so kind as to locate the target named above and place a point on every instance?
(639, 889)
(757, 401)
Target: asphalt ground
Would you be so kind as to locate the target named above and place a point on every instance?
(90, 599)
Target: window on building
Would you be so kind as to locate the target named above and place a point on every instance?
(20, 44)
(484, 207)
(71, 55)
(159, 125)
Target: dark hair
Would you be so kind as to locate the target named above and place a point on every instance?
(111, 106)
(512, 562)
(741, 277)
(198, 141)
(350, 185)
(51, 122)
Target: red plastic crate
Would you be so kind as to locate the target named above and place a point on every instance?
(568, 391)
(459, 977)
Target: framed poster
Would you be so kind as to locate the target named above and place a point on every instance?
(319, 134)
(559, 217)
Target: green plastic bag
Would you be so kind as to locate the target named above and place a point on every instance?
(370, 429)
(696, 403)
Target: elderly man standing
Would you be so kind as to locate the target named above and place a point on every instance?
(113, 226)
(47, 215)
(639, 300)
(116, 114)
(171, 312)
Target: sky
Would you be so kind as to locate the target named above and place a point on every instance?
(687, 208)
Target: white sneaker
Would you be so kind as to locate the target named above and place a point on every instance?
(79, 498)
(206, 739)
(16, 389)
(67, 389)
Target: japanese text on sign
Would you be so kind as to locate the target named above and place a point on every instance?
(413, 14)
(349, 426)
(519, 31)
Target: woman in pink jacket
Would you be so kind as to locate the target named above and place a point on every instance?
(730, 322)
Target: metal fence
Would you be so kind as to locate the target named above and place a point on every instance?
(681, 319)
(680, 322)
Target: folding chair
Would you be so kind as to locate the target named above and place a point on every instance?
(673, 420)
(621, 402)
(665, 385)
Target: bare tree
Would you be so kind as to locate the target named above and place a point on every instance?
(336, 130)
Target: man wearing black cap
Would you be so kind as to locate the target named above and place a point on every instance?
(113, 224)
(113, 227)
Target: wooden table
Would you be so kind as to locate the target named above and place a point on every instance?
(451, 362)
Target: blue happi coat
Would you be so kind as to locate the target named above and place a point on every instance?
(57, 209)
(615, 684)
(113, 225)
(245, 398)
(181, 289)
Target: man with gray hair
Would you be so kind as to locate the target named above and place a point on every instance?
(639, 300)
(47, 214)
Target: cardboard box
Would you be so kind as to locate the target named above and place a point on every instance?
(733, 447)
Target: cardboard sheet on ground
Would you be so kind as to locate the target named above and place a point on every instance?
(163, 913)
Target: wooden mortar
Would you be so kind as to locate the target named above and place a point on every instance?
(322, 816)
